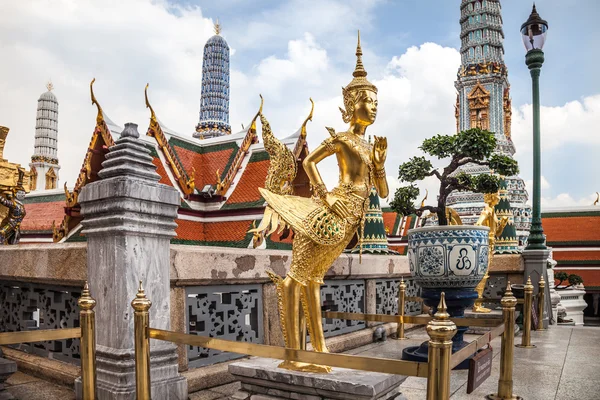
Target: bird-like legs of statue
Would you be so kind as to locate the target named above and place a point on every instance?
(477, 307)
(290, 292)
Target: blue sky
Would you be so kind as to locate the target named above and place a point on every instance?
(289, 51)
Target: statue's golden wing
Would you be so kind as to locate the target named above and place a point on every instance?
(283, 168)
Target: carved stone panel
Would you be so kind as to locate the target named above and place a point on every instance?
(387, 297)
(27, 306)
(343, 296)
(232, 312)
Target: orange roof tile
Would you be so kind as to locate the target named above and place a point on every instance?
(205, 164)
(39, 216)
(252, 178)
(576, 255)
(230, 231)
(160, 169)
(389, 221)
(572, 229)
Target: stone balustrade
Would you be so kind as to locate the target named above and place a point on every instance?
(572, 300)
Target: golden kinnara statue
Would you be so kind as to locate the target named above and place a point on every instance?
(489, 218)
(324, 224)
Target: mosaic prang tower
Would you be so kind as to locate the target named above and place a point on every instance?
(214, 100)
(484, 101)
(44, 162)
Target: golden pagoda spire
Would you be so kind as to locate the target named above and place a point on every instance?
(360, 69)
(49, 86)
(217, 27)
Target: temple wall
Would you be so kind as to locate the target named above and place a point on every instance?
(221, 292)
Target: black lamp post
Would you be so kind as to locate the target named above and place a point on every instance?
(534, 36)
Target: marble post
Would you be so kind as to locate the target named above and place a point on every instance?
(536, 266)
(128, 219)
(554, 295)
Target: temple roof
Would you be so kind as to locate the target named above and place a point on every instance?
(233, 166)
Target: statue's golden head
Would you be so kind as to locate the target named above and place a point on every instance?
(491, 199)
(360, 95)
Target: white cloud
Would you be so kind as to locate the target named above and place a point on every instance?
(125, 44)
(576, 122)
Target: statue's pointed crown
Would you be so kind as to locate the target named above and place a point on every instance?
(360, 82)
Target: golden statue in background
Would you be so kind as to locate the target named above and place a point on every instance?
(324, 224)
(489, 218)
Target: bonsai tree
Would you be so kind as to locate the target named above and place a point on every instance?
(473, 146)
(573, 279)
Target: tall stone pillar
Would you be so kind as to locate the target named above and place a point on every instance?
(128, 219)
(536, 266)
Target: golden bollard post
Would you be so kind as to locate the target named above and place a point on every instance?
(87, 321)
(440, 329)
(527, 304)
(142, 305)
(505, 382)
(401, 307)
(540, 304)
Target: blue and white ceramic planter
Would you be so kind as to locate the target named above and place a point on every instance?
(443, 257)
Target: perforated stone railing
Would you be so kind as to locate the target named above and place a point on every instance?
(233, 312)
(386, 297)
(343, 296)
(29, 306)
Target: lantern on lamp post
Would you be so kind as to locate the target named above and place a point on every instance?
(533, 32)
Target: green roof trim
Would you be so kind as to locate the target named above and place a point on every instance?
(51, 198)
(77, 236)
(568, 214)
(575, 243)
(202, 149)
(259, 156)
(152, 149)
(249, 204)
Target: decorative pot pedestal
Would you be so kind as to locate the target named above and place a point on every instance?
(449, 259)
(456, 300)
(261, 379)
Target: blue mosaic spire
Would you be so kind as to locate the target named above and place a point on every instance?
(483, 101)
(214, 100)
(481, 31)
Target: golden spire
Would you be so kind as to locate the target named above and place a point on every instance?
(217, 27)
(49, 86)
(360, 69)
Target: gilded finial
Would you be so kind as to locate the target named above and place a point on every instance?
(152, 114)
(49, 86)
(528, 281)
(141, 302)
(442, 309)
(217, 27)
(253, 124)
(100, 116)
(86, 302)
(309, 118)
(424, 198)
(359, 70)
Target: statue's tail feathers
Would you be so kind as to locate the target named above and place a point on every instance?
(270, 223)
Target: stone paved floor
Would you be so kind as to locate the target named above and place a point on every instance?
(565, 365)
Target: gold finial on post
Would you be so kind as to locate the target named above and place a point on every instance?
(49, 86)
(100, 116)
(87, 320)
(309, 118)
(401, 307)
(141, 305)
(441, 329)
(527, 305)
(540, 304)
(505, 381)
